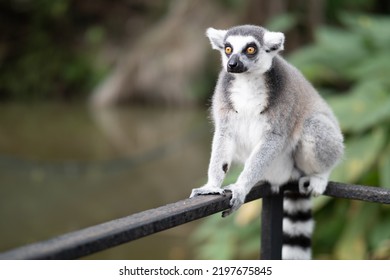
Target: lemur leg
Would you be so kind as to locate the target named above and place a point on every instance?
(320, 148)
(254, 169)
(220, 161)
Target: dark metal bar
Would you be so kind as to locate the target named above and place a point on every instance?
(100, 237)
(272, 228)
(349, 191)
(358, 192)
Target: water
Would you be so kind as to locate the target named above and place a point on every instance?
(66, 167)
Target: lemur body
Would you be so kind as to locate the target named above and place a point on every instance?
(269, 117)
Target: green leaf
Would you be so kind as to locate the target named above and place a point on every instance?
(375, 66)
(384, 168)
(336, 40)
(379, 233)
(204, 232)
(311, 61)
(351, 244)
(320, 202)
(360, 154)
(327, 60)
(376, 29)
(217, 250)
(366, 105)
(342, 48)
(283, 23)
(251, 245)
(330, 223)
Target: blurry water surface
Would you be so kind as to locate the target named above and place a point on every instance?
(66, 167)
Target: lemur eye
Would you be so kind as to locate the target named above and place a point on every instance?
(251, 50)
(228, 50)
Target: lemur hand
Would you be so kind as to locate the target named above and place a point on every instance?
(206, 189)
(238, 198)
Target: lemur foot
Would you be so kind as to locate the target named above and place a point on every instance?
(238, 198)
(206, 189)
(314, 185)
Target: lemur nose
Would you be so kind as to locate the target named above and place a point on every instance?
(235, 65)
(232, 63)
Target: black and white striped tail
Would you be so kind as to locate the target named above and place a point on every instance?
(298, 226)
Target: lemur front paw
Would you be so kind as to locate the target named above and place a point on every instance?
(314, 185)
(238, 198)
(206, 189)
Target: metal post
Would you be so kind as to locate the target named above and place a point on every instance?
(272, 227)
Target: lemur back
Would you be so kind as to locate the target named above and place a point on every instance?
(269, 117)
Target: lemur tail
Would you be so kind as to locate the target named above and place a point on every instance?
(298, 226)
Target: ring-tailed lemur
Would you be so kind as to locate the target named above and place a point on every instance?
(269, 117)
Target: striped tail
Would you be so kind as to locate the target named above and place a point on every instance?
(298, 226)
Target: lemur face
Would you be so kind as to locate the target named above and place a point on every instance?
(247, 48)
(241, 53)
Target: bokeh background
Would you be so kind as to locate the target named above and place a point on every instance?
(103, 113)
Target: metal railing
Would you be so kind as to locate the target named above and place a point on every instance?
(107, 235)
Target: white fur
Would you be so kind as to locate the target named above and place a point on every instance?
(248, 95)
(293, 206)
(239, 42)
(247, 126)
(279, 172)
(274, 38)
(295, 253)
(297, 228)
(216, 37)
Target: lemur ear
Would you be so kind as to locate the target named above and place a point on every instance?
(216, 37)
(274, 41)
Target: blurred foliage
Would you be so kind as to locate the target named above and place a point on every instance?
(54, 49)
(42, 54)
(350, 65)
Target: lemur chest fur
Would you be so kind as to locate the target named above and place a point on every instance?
(248, 96)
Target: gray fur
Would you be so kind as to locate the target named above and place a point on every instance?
(268, 116)
(226, 79)
(246, 30)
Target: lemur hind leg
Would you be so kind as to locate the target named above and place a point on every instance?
(318, 151)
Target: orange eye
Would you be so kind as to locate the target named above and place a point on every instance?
(228, 50)
(251, 50)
